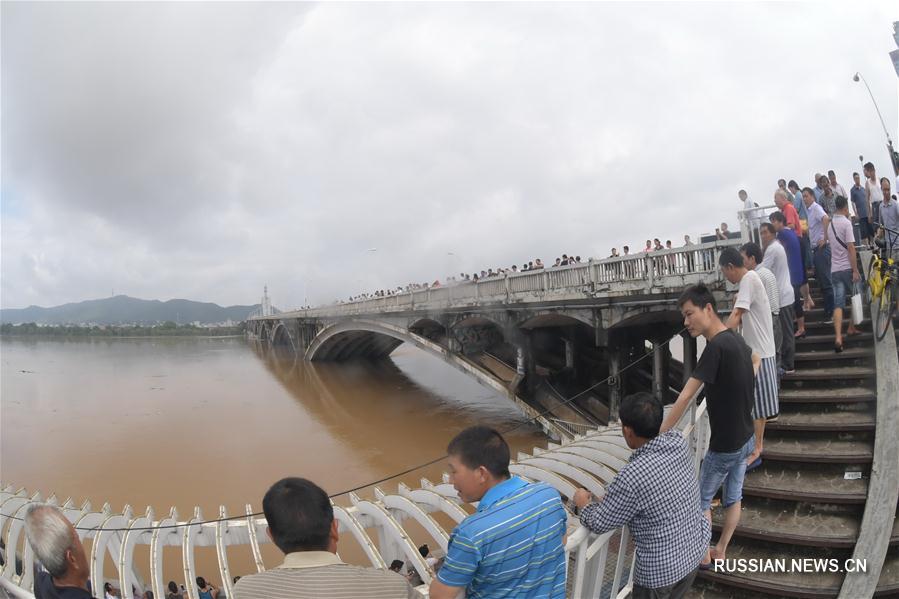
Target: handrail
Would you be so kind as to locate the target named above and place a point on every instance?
(647, 271)
(883, 487)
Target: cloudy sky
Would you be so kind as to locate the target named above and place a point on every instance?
(203, 150)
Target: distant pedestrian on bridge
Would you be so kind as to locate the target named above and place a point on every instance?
(484, 556)
(301, 524)
(657, 496)
(726, 369)
(752, 317)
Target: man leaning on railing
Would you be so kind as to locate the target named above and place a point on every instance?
(657, 496)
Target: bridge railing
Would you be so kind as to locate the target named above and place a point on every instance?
(625, 275)
(589, 460)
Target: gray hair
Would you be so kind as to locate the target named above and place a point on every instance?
(780, 193)
(49, 534)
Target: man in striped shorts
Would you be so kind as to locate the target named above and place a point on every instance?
(752, 316)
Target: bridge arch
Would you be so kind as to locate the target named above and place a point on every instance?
(372, 339)
(280, 336)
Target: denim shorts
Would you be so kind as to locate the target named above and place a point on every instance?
(842, 287)
(728, 468)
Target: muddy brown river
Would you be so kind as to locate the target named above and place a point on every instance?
(209, 422)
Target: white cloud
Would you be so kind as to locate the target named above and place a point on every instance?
(201, 150)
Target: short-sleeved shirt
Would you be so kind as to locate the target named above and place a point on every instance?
(815, 223)
(889, 217)
(511, 546)
(777, 262)
(770, 283)
(725, 367)
(840, 227)
(757, 327)
(793, 249)
(859, 200)
(799, 205)
(792, 217)
(828, 202)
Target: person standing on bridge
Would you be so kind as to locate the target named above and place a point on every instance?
(843, 268)
(777, 261)
(752, 316)
(301, 524)
(818, 222)
(657, 496)
(752, 260)
(512, 544)
(726, 369)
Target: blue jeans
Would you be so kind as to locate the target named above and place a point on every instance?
(821, 259)
(842, 287)
(728, 468)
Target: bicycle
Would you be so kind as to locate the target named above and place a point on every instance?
(883, 281)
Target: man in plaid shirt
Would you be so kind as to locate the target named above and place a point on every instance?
(656, 494)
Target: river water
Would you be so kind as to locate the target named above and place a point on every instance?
(207, 422)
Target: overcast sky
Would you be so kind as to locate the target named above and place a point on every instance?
(202, 150)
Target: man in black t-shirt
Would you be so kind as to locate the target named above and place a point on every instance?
(727, 368)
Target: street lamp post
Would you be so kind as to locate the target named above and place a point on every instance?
(893, 159)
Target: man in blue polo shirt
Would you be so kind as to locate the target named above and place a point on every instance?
(512, 545)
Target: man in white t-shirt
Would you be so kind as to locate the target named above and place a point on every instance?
(873, 191)
(752, 316)
(776, 261)
(750, 213)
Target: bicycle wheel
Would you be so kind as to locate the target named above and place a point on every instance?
(885, 309)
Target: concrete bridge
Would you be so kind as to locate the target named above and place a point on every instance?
(535, 337)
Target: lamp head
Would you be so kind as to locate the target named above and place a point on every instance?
(855, 77)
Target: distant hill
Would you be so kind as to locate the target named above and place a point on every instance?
(121, 309)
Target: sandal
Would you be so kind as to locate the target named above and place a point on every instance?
(838, 348)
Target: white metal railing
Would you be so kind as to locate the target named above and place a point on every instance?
(635, 273)
(590, 460)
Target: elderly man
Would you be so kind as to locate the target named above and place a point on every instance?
(785, 206)
(58, 548)
(301, 524)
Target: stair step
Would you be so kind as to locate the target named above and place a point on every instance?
(801, 448)
(811, 585)
(827, 374)
(824, 483)
(825, 340)
(816, 420)
(834, 395)
(785, 522)
(854, 353)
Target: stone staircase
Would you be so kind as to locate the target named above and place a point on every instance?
(807, 498)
